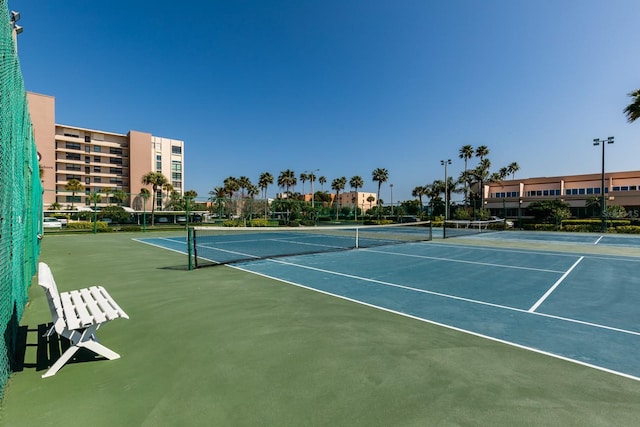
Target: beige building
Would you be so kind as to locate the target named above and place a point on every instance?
(103, 162)
(620, 188)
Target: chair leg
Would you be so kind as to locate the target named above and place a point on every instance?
(98, 348)
(61, 361)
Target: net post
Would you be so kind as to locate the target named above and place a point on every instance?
(357, 243)
(189, 247)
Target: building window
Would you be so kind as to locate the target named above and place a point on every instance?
(97, 169)
(87, 180)
(97, 179)
(96, 159)
(596, 191)
(581, 191)
(176, 184)
(87, 138)
(87, 159)
(72, 156)
(87, 148)
(115, 161)
(96, 149)
(589, 190)
(70, 177)
(117, 171)
(71, 167)
(176, 149)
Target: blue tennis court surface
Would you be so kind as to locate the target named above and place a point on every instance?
(612, 240)
(579, 307)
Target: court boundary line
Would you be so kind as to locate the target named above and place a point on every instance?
(455, 328)
(546, 295)
(159, 246)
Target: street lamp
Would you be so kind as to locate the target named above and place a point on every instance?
(598, 141)
(446, 188)
(391, 187)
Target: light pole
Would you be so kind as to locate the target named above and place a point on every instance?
(391, 187)
(446, 188)
(598, 141)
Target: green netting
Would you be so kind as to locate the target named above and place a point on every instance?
(20, 196)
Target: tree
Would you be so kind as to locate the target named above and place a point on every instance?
(466, 153)
(74, 186)
(120, 196)
(633, 110)
(418, 192)
(243, 183)
(550, 211)
(304, 178)
(482, 152)
(157, 181)
(167, 188)
(286, 180)
(380, 175)
(356, 182)
(55, 206)
(264, 181)
(144, 194)
(231, 186)
(322, 180)
(513, 168)
(337, 185)
(217, 196)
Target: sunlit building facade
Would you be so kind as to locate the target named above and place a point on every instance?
(104, 162)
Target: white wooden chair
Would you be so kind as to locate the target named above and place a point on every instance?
(77, 315)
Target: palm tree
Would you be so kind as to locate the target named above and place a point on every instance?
(356, 182)
(243, 183)
(287, 179)
(481, 175)
(380, 175)
(482, 152)
(157, 181)
(231, 186)
(145, 194)
(167, 189)
(322, 180)
(512, 169)
(74, 186)
(304, 178)
(371, 199)
(338, 184)
(466, 153)
(263, 182)
(418, 192)
(120, 196)
(217, 196)
(633, 110)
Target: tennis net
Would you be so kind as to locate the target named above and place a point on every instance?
(225, 245)
(458, 228)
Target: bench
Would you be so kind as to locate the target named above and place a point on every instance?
(77, 315)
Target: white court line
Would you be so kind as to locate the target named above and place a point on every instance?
(555, 285)
(598, 241)
(161, 246)
(486, 264)
(443, 325)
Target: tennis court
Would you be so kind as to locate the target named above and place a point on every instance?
(575, 306)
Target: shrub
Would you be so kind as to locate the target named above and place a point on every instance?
(101, 227)
(628, 229)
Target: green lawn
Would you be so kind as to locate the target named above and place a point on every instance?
(218, 347)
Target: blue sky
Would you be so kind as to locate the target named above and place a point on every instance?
(345, 86)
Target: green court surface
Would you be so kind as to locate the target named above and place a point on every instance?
(220, 346)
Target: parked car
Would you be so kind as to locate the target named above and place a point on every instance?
(181, 219)
(508, 222)
(51, 223)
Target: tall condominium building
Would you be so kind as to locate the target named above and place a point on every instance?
(104, 162)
